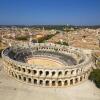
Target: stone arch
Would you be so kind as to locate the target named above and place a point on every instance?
(47, 83)
(15, 75)
(41, 82)
(12, 74)
(23, 69)
(19, 69)
(35, 81)
(65, 82)
(24, 78)
(40, 73)
(53, 73)
(59, 73)
(71, 82)
(59, 83)
(19, 77)
(76, 80)
(77, 71)
(29, 80)
(66, 72)
(53, 83)
(34, 72)
(81, 78)
(47, 73)
(72, 72)
(29, 71)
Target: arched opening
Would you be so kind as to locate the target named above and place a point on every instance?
(53, 83)
(15, 76)
(35, 81)
(66, 82)
(66, 72)
(41, 82)
(77, 71)
(24, 78)
(37, 49)
(72, 71)
(76, 80)
(29, 71)
(20, 77)
(71, 81)
(47, 83)
(59, 73)
(81, 78)
(53, 73)
(23, 69)
(29, 80)
(47, 73)
(12, 74)
(34, 72)
(40, 73)
(19, 69)
(59, 83)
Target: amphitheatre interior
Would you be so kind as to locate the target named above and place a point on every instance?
(45, 62)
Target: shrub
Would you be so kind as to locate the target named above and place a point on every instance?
(95, 77)
(24, 38)
(62, 43)
(0, 52)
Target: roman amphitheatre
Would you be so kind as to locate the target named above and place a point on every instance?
(46, 71)
(47, 64)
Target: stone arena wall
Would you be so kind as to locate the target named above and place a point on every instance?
(38, 76)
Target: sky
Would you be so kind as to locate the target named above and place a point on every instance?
(37, 12)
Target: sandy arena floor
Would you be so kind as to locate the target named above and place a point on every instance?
(10, 89)
(46, 62)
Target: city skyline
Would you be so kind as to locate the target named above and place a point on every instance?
(50, 12)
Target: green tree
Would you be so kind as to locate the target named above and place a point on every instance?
(95, 77)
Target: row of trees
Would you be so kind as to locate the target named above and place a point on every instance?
(63, 43)
(58, 27)
(23, 38)
(47, 37)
